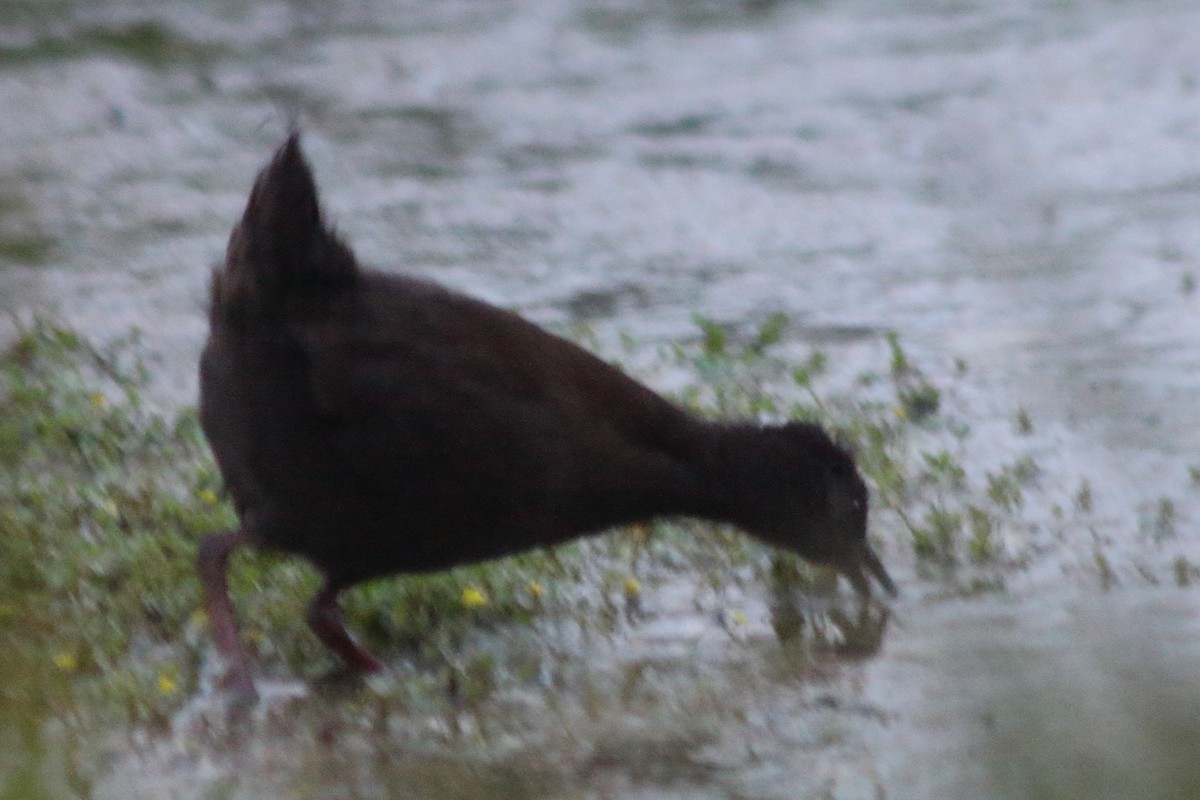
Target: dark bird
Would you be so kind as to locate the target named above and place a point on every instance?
(378, 424)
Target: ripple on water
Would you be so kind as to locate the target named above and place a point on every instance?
(1009, 183)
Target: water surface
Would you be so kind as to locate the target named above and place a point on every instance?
(1014, 184)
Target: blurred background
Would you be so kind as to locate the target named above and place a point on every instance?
(1011, 186)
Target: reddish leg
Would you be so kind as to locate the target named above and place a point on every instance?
(325, 619)
(212, 560)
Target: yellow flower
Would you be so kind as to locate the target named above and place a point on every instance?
(97, 399)
(632, 587)
(207, 495)
(198, 618)
(473, 598)
(901, 412)
(536, 589)
(737, 618)
(167, 684)
(66, 661)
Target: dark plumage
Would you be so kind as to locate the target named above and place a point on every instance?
(378, 424)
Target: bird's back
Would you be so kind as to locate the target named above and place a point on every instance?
(379, 423)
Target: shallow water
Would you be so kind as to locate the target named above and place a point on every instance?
(1015, 184)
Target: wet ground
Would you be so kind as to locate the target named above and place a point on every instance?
(1013, 184)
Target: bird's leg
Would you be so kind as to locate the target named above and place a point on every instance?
(325, 619)
(212, 561)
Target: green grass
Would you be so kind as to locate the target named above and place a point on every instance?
(102, 503)
(103, 500)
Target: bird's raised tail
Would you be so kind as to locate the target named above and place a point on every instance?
(281, 252)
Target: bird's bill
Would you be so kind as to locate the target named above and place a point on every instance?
(869, 564)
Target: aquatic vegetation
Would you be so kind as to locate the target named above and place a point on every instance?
(105, 497)
(28, 249)
(903, 438)
(1024, 422)
(1083, 497)
(918, 398)
(1185, 571)
(148, 42)
(100, 502)
(1161, 524)
(22, 241)
(473, 598)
